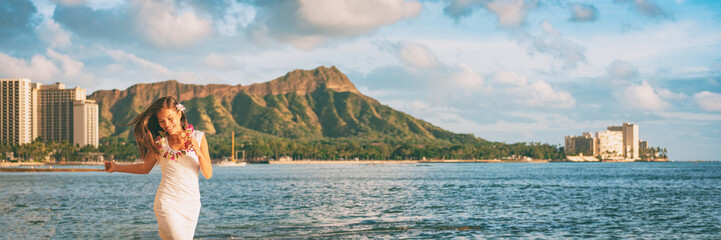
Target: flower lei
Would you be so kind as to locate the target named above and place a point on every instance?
(175, 155)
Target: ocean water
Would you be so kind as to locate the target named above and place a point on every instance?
(465, 200)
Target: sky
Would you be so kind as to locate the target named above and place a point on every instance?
(503, 70)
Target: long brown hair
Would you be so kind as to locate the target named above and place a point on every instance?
(147, 127)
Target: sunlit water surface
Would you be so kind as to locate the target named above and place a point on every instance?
(553, 200)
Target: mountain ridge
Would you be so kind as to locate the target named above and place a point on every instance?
(302, 104)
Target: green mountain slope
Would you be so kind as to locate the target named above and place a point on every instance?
(303, 104)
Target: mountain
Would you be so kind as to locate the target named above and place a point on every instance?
(303, 104)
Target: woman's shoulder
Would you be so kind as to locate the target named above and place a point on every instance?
(197, 133)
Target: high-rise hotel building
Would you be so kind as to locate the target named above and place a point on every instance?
(609, 144)
(581, 145)
(616, 143)
(16, 111)
(85, 122)
(56, 113)
(629, 145)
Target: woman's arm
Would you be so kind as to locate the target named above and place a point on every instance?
(140, 168)
(204, 158)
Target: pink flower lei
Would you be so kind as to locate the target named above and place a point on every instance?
(174, 155)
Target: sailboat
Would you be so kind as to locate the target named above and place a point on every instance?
(231, 162)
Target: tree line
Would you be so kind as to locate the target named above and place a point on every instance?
(39, 150)
(653, 153)
(264, 149)
(388, 149)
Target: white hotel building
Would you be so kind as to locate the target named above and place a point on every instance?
(617, 143)
(51, 112)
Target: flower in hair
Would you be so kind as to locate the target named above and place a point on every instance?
(180, 107)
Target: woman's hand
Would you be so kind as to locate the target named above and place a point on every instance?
(138, 168)
(110, 166)
(194, 146)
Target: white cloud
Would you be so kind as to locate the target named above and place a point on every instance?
(122, 56)
(103, 4)
(622, 69)
(306, 42)
(709, 101)
(558, 123)
(548, 28)
(53, 34)
(534, 94)
(541, 94)
(165, 26)
(306, 24)
(669, 95)
(686, 116)
(716, 68)
(114, 68)
(236, 15)
(71, 66)
(583, 12)
(510, 78)
(444, 116)
(461, 8)
(423, 75)
(72, 69)
(217, 61)
(69, 2)
(511, 13)
(45, 70)
(642, 97)
(350, 17)
(467, 78)
(418, 105)
(417, 55)
(553, 43)
(648, 8)
(38, 69)
(671, 42)
(488, 54)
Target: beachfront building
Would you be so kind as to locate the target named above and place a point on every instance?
(55, 111)
(51, 112)
(609, 145)
(85, 123)
(642, 145)
(617, 143)
(630, 139)
(583, 145)
(16, 111)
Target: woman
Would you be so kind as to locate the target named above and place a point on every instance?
(163, 135)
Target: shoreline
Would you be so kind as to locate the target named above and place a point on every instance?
(50, 169)
(21, 164)
(485, 161)
(299, 162)
(14, 165)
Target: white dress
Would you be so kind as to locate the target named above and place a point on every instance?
(177, 201)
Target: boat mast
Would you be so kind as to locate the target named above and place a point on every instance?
(232, 148)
